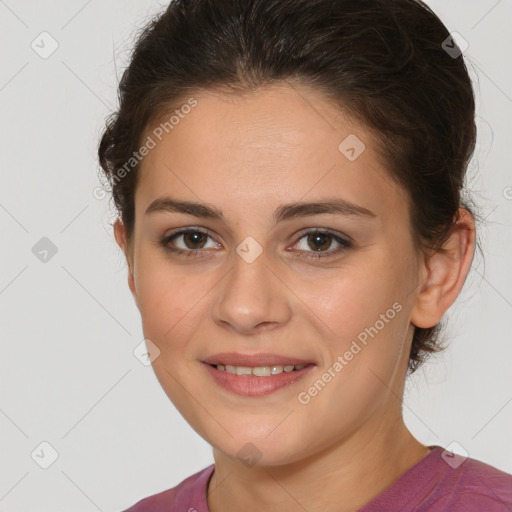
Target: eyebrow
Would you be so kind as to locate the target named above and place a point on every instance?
(284, 212)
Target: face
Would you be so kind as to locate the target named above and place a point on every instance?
(263, 273)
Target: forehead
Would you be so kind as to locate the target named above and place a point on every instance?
(281, 142)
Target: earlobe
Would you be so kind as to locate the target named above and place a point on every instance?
(121, 239)
(445, 270)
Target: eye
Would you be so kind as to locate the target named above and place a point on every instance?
(320, 241)
(194, 242)
(191, 241)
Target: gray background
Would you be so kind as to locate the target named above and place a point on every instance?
(68, 325)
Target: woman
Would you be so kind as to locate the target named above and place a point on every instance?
(288, 176)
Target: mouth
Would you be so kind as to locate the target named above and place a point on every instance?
(255, 360)
(256, 375)
(259, 371)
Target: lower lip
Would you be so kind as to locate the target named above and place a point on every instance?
(251, 385)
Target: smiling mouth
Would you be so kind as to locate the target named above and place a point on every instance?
(257, 381)
(259, 371)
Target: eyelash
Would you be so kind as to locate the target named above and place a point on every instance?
(344, 244)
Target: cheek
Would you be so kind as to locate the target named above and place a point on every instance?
(366, 314)
(168, 298)
(352, 298)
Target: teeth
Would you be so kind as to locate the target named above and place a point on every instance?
(259, 371)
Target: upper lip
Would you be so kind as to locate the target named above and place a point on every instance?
(252, 360)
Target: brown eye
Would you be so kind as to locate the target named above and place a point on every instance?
(194, 239)
(319, 241)
(316, 244)
(189, 242)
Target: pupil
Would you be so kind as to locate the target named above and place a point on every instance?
(321, 238)
(195, 238)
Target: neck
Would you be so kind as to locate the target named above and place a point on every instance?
(341, 478)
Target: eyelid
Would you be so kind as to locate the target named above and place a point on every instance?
(345, 242)
(181, 231)
(326, 231)
(299, 234)
(190, 229)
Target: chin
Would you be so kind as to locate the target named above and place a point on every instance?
(255, 450)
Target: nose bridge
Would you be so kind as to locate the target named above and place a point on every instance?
(250, 294)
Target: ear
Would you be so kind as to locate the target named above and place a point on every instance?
(444, 273)
(121, 239)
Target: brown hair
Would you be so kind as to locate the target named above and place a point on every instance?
(383, 61)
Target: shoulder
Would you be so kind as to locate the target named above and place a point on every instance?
(444, 481)
(190, 493)
(470, 485)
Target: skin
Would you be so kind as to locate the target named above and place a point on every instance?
(246, 155)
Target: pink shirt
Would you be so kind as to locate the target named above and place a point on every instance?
(438, 482)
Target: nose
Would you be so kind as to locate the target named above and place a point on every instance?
(251, 298)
